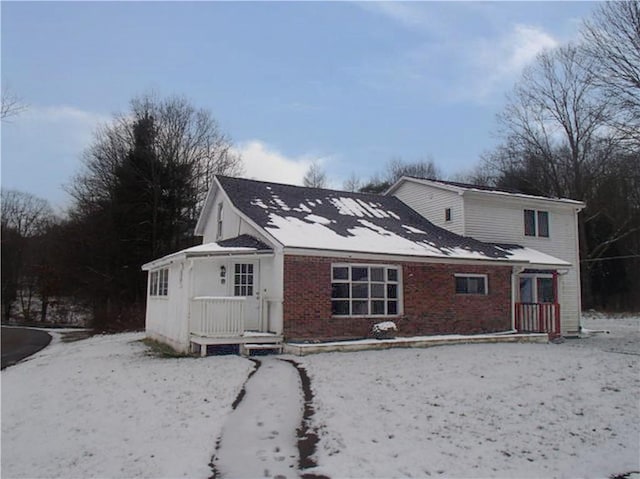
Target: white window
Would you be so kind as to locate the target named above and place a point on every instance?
(243, 280)
(471, 283)
(447, 214)
(536, 223)
(159, 282)
(219, 222)
(365, 290)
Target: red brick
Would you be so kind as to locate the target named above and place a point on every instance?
(431, 305)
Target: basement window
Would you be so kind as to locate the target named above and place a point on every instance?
(365, 290)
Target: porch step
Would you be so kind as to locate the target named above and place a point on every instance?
(245, 349)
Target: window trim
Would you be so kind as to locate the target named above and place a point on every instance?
(386, 282)
(447, 215)
(471, 275)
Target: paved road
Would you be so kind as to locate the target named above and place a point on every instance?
(18, 343)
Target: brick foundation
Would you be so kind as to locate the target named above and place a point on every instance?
(431, 305)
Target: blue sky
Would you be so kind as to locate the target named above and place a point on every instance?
(350, 85)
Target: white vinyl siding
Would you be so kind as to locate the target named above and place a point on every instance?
(500, 220)
(432, 203)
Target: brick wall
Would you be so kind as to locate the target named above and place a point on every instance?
(431, 305)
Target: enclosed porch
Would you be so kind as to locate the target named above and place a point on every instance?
(537, 309)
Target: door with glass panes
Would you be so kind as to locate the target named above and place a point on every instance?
(246, 284)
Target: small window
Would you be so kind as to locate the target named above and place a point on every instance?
(159, 282)
(219, 223)
(543, 224)
(471, 283)
(536, 223)
(447, 214)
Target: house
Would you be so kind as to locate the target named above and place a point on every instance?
(549, 225)
(287, 263)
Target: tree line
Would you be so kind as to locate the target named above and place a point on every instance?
(570, 129)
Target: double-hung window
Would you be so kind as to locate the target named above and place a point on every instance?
(159, 282)
(536, 223)
(365, 290)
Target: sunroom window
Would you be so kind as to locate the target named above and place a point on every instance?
(159, 282)
(365, 290)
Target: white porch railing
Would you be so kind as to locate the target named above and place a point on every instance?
(217, 316)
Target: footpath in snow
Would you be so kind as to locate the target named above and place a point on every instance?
(259, 437)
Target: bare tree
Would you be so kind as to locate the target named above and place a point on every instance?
(612, 40)
(557, 142)
(556, 120)
(12, 104)
(352, 183)
(315, 177)
(397, 168)
(25, 217)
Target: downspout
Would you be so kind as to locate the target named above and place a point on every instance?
(517, 270)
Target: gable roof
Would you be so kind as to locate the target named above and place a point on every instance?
(322, 219)
(463, 188)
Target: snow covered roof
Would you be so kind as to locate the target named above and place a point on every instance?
(238, 245)
(321, 219)
(466, 187)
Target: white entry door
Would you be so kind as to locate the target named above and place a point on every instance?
(246, 284)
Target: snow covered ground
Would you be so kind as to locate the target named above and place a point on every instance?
(103, 407)
(499, 410)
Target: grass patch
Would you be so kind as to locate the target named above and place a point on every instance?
(162, 350)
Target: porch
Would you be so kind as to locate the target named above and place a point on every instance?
(538, 318)
(220, 320)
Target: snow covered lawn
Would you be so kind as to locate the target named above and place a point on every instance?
(493, 410)
(103, 407)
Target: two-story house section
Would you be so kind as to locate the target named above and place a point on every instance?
(549, 225)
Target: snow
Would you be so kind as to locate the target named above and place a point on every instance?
(269, 416)
(312, 232)
(103, 407)
(493, 410)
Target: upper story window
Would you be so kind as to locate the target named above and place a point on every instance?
(447, 214)
(159, 282)
(219, 221)
(536, 223)
(471, 283)
(365, 290)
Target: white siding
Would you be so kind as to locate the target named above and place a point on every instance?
(500, 220)
(232, 223)
(166, 316)
(432, 203)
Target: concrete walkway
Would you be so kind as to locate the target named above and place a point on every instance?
(259, 438)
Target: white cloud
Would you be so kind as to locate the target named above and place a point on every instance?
(500, 61)
(41, 148)
(262, 162)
